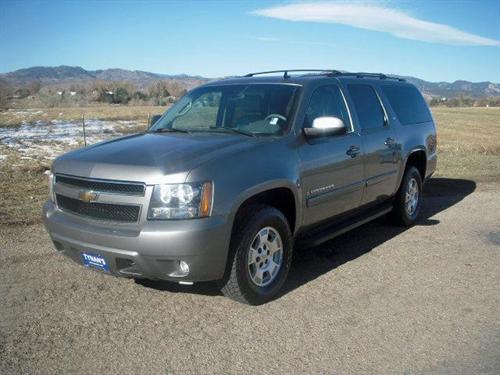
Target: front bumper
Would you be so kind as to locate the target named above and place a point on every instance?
(153, 251)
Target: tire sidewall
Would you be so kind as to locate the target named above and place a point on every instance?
(412, 172)
(268, 217)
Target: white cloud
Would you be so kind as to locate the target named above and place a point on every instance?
(377, 18)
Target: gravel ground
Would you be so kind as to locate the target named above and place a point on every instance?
(379, 299)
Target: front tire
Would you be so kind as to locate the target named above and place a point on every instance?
(408, 199)
(262, 245)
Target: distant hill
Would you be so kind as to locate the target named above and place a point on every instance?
(62, 75)
(68, 74)
(456, 89)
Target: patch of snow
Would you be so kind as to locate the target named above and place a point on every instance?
(27, 112)
(47, 140)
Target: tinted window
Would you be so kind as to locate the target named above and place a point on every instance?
(408, 104)
(367, 106)
(326, 101)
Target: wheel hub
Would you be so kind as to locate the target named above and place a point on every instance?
(265, 256)
(411, 196)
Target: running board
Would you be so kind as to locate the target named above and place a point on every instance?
(327, 232)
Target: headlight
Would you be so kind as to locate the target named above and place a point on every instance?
(181, 201)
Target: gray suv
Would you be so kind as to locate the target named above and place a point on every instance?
(238, 172)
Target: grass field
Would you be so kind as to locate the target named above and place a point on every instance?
(468, 148)
(104, 112)
(468, 143)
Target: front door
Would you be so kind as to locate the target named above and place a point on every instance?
(332, 167)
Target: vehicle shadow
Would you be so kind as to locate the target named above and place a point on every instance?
(309, 264)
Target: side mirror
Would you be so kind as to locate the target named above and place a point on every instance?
(153, 119)
(325, 127)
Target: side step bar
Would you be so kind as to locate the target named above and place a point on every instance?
(329, 231)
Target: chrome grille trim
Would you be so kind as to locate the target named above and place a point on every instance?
(101, 185)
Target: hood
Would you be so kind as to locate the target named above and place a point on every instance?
(149, 157)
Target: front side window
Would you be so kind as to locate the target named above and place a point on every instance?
(252, 109)
(326, 101)
(367, 105)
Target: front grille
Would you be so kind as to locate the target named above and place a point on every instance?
(99, 211)
(127, 188)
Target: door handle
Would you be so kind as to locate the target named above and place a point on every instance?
(389, 142)
(353, 151)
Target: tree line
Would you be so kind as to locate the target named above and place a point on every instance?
(160, 93)
(491, 101)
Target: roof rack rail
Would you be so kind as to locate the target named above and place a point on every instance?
(286, 75)
(328, 72)
(372, 75)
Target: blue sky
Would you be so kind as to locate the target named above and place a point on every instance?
(432, 40)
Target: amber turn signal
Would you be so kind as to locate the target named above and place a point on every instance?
(206, 199)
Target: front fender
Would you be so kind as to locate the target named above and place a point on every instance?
(239, 176)
(267, 186)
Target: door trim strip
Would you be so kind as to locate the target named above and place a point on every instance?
(321, 197)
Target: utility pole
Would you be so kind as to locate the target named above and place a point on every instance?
(84, 134)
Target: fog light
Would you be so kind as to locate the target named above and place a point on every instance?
(178, 268)
(184, 267)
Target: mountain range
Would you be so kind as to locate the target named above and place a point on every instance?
(63, 75)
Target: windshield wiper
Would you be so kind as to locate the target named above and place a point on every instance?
(238, 131)
(170, 130)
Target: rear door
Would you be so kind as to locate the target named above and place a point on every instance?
(379, 142)
(332, 167)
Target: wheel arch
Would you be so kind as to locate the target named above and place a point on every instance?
(418, 158)
(281, 195)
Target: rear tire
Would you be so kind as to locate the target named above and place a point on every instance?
(262, 245)
(408, 199)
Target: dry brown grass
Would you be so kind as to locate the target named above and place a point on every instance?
(22, 194)
(104, 112)
(468, 143)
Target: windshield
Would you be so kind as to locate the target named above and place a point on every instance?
(254, 110)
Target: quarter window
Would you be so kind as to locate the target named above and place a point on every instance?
(408, 104)
(326, 101)
(368, 107)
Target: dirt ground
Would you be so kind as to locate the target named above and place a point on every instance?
(379, 300)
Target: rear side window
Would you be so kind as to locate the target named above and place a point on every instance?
(326, 101)
(368, 107)
(408, 103)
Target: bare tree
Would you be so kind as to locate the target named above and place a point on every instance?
(159, 89)
(33, 87)
(5, 92)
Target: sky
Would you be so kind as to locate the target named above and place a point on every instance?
(433, 40)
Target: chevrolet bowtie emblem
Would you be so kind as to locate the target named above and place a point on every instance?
(88, 196)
